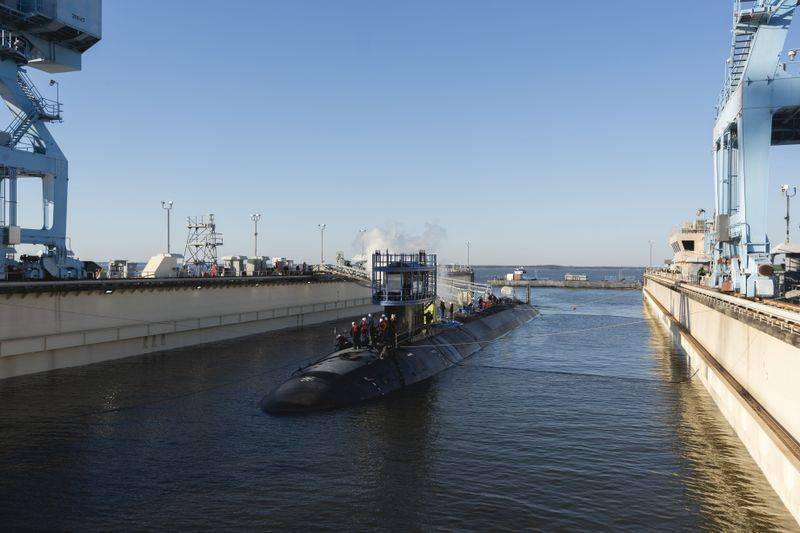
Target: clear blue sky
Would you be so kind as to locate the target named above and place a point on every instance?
(543, 132)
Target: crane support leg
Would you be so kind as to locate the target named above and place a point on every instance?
(755, 132)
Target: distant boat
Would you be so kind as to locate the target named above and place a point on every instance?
(518, 274)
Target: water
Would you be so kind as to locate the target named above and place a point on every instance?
(557, 272)
(584, 418)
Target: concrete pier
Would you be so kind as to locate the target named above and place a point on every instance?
(49, 325)
(564, 284)
(747, 355)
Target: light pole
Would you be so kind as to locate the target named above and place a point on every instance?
(788, 192)
(651, 242)
(322, 243)
(255, 217)
(167, 206)
(362, 233)
(468, 243)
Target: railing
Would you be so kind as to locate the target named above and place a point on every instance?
(45, 106)
(421, 259)
(780, 318)
(403, 295)
(458, 268)
(19, 119)
(11, 40)
(678, 277)
(345, 271)
(464, 285)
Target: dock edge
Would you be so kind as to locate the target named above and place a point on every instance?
(773, 447)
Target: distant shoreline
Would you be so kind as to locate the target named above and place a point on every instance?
(561, 266)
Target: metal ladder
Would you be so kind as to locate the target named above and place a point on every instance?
(47, 109)
(747, 17)
(43, 109)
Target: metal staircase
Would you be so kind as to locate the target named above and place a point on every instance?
(44, 109)
(48, 110)
(748, 16)
(740, 52)
(358, 275)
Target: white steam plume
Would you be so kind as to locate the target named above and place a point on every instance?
(392, 237)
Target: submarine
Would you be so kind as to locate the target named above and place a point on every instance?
(415, 349)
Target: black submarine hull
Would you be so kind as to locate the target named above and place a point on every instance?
(354, 375)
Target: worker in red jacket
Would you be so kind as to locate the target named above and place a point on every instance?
(355, 334)
(364, 332)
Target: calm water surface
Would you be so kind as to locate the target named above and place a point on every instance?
(584, 418)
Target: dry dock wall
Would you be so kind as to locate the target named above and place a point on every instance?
(750, 366)
(52, 329)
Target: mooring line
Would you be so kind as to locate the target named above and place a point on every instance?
(580, 374)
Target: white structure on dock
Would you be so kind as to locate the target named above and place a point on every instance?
(688, 243)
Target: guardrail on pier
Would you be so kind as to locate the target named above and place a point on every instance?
(781, 318)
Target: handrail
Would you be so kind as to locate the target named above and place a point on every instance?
(45, 106)
(786, 319)
(351, 272)
(465, 285)
(382, 260)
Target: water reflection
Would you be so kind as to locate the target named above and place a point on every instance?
(579, 420)
(727, 487)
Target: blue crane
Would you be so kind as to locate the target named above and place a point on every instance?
(52, 37)
(759, 106)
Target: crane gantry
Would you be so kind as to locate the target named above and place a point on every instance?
(759, 107)
(51, 36)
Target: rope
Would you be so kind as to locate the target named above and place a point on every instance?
(582, 374)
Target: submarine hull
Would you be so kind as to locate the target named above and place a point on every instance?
(353, 375)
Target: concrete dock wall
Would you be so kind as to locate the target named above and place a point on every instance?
(58, 329)
(750, 368)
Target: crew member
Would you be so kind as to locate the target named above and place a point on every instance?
(452, 311)
(370, 330)
(364, 332)
(383, 325)
(442, 309)
(342, 342)
(393, 330)
(355, 334)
